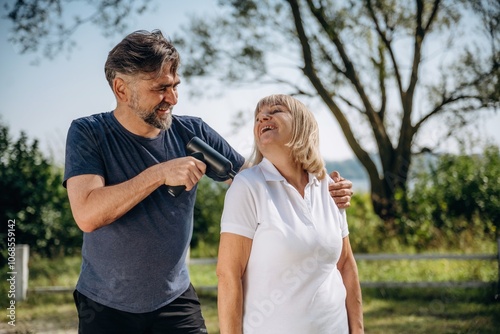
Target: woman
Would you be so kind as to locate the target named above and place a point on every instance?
(285, 262)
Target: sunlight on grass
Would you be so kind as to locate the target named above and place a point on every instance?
(392, 270)
(41, 271)
(386, 311)
(427, 270)
(203, 274)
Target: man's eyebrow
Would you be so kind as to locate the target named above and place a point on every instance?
(166, 85)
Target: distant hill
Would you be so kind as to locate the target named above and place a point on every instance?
(352, 170)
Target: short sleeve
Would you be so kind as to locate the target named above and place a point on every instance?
(240, 210)
(82, 152)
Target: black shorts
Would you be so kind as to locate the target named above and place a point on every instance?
(182, 316)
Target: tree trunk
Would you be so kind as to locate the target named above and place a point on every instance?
(393, 183)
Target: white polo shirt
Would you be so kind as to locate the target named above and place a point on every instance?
(291, 284)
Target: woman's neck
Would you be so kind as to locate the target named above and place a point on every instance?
(291, 171)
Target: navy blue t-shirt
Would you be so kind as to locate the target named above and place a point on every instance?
(137, 263)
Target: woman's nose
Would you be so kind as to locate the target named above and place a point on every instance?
(263, 117)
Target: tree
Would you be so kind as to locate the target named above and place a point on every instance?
(33, 197)
(47, 26)
(364, 60)
(386, 69)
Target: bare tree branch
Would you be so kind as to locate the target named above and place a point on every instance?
(310, 72)
(440, 108)
(383, 140)
(42, 23)
(388, 44)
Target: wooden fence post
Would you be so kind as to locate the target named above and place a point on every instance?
(21, 269)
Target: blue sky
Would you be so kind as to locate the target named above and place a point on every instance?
(42, 100)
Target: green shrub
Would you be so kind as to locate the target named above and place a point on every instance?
(455, 195)
(33, 197)
(207, 215)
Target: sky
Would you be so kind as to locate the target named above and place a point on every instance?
(43, 99)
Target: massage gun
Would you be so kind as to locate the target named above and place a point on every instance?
(215, 162)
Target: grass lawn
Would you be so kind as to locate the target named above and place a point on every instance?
(416, 310)
(386, 311)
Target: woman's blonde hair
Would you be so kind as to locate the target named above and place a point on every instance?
(304, 144)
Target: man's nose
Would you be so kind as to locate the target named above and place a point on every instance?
(171, 97)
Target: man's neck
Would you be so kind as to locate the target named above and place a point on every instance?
(133, 123)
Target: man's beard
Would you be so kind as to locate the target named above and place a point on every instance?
(151, 117)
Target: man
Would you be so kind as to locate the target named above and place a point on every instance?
(134, 278)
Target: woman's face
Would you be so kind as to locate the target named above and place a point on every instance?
(273, 128)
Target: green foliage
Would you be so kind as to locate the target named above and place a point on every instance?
(457, 194)
(365, 235)
(33, 196)
(207, 215)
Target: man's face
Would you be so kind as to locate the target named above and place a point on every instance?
(153, 98)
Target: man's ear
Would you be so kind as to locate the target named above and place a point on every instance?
(121, 89)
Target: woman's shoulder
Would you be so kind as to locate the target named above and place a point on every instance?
(249, 174)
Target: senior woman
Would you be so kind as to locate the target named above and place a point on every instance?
(285, 261)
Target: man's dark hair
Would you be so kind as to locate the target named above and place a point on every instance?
(141, 52)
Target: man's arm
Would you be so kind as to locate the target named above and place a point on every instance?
(95, 205)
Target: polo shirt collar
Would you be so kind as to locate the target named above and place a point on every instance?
(271, 173)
